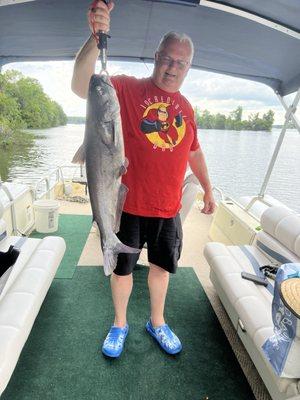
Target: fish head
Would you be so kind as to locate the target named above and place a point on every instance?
(103, 98)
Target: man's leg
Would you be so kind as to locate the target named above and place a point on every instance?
(158, 281)
(164, 246)
(121, 287)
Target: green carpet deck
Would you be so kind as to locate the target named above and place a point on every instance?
(75, 230)
(62, 357)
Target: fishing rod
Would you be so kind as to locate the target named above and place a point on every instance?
(101, 38)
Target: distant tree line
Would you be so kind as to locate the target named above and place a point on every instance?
(24, 105)
(290, 125)
(76, 120)
(234, 121)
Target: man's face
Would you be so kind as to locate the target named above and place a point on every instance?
(172, 63)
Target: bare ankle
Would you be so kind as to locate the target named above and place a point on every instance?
(120, 323)
(156, 322)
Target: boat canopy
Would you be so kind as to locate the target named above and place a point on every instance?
(256, 40)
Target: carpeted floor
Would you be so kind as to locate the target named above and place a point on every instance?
(62, 357)
(75, 230)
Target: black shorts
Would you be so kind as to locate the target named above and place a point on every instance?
(162, 235)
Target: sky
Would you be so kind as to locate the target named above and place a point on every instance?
(206, 90)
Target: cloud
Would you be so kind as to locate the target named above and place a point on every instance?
(223, 94)
(55, 77)
(207, 85)
(215, 92)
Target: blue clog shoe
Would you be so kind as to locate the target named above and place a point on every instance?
(166, 338)
(114, 343)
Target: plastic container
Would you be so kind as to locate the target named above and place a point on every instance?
(46, 215)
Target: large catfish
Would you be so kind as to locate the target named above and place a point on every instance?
(103, 153)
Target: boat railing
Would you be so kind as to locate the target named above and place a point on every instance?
(219, 191)
(61, 174)
(75, 173)
(12, 207)
(259, 198)
(49, 184)
(42, 189)
(225, 197)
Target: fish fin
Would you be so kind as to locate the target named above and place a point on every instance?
(110, 255)
(109, 261)
(79, 156)
(123, 168)
(123, 248)
(123, 190)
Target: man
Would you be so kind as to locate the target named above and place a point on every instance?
(157, 164)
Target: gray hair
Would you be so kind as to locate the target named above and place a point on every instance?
(181, 37)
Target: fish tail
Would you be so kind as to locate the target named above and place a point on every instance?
(109, 261)
(110, 255)
(79, 156)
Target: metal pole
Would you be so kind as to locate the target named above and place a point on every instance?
(293, 117)
(290, 111)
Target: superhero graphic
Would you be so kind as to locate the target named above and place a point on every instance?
(163, 126)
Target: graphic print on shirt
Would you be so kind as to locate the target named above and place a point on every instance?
(163, 125)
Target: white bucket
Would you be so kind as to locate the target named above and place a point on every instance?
(46, 215)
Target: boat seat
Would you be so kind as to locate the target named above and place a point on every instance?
(260, 205)
(23, 294)
(248, 305)
(190, 189)
(16, 190)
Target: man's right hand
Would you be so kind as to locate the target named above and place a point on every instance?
(99, 16)
(85, 62)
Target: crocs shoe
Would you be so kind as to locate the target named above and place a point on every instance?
(165, 337)
(114, 343)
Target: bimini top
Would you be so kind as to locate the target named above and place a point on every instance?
(256, 40)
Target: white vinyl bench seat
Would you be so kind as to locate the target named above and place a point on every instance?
(248, 305)
(23, 295)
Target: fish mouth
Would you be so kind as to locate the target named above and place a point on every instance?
(107, 83)
(102, 80)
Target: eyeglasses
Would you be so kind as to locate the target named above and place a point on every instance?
(166, 60)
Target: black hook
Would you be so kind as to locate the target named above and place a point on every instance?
(102, 44)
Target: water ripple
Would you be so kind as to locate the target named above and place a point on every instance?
(237, 161)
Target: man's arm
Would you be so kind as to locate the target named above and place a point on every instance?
(199, 168)
(84, 67)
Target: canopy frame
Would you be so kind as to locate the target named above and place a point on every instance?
(12, 2)
(248, 15)
(258, 41)
(289, 116)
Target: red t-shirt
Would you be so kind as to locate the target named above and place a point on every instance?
(159, 132)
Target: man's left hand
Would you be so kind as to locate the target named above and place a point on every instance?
(209, 203)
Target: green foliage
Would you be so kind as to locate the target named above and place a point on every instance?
(24, 105)
(234, 121)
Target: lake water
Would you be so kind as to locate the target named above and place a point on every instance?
(237, 161)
